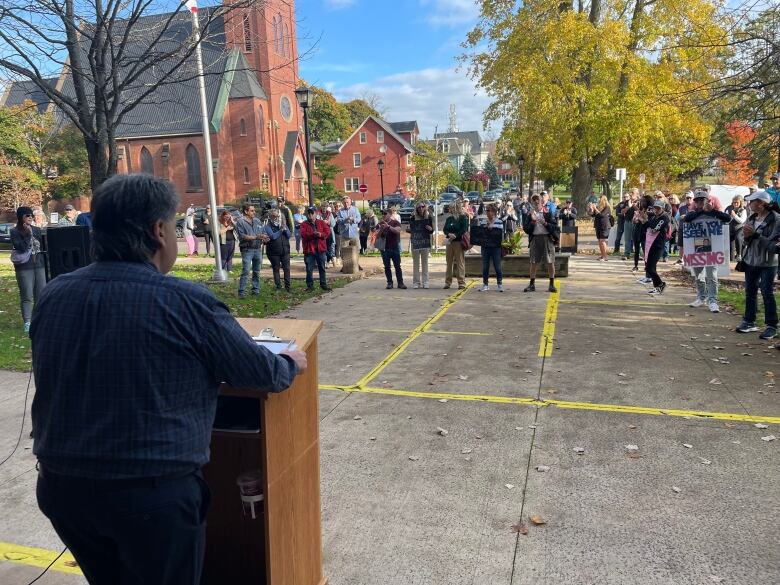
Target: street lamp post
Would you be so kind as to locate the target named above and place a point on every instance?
(521, 163)
(304, 96)
(381, 166)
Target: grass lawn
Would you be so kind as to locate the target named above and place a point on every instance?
(15, 345)
(736, 298)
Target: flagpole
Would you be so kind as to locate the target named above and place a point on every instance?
(219, 274)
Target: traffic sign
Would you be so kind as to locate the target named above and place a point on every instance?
(363, 188)
(642, 178)
(620, 174)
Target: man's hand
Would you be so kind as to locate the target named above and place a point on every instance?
(748, 230)
(298, 357)
(708, 206)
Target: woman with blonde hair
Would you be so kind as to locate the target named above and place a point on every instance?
(602, 216)
(455, 227)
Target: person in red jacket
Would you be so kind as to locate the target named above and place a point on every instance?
(314, 233)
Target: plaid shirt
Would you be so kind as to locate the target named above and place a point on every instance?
(127, 366)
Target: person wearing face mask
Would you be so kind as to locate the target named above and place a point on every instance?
(277, 247)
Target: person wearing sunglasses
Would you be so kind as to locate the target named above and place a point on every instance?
(28, 261)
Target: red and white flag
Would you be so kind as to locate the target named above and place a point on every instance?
(192, 5)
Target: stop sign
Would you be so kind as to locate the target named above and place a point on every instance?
(363, 188)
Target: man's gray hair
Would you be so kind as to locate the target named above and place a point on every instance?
(124, 211)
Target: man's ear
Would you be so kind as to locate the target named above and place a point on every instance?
(158, 232)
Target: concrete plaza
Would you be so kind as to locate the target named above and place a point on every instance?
(449, 419)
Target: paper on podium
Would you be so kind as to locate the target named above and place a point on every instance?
(277, 346)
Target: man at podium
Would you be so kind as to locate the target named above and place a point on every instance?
(127, 365)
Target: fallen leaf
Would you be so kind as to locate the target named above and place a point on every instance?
(537, 520)
(769, 374)
(761, 426)
(520, 528)
(717, 579)
(357, 417)
(413, 458)
(715, 382)
(632, 447)
(675, 489)
(769, 438)
(542, 468)
(687, 445)
(704, 461)
(372, 438)
(634, 455)
(70, 563)
(631, 426)
(518, 428)
(442, 400)
(653, 354)
(465, 451)
(579, 450)
(509, 486)
(463, 377)
(531, 426)
(622, 375)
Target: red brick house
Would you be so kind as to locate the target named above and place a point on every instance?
(256, 138)
(358, 155)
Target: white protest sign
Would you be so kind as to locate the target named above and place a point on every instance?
(706, 243)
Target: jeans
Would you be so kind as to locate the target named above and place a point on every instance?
(250, 258)
(298, 240)
(318, 260)
(653, 256)
(30, 281)
(620, 230)
(282, 262)
(393, 255)
(706, 283)
(331, 246)
(628, 238)
(491, 253)
(227, 251)
(760, 279)
(420, 266)
(134, 532)
(639, 245)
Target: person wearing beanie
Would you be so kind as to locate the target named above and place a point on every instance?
(28, 261)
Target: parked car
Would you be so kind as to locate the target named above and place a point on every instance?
(406, 211)
(5, 235)
(492, 195)
(473, 196)
(391, 200)
(444, 201)
(453, 189)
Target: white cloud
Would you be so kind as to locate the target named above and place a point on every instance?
(338, 4)
(451, 12)
(425, 96)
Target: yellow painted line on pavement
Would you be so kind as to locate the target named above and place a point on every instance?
(621, 303)
(571, 405)
(37, 557)
(433, 331)
(546, 342)
(416, 332)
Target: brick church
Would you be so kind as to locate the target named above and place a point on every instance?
(250, 59)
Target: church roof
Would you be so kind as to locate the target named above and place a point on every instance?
(19, 91)
(472, 136)
(290, 143)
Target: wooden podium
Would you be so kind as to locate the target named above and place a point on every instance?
(283, 546)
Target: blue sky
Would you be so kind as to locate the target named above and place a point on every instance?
(402, 51)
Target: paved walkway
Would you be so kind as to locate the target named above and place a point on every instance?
(450, 418)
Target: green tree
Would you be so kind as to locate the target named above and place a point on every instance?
(467, 168)
(328, 119)
(66, 154)
(21, 181)
(358, 110)
(326, 171)
(432, 169)
(492, 172)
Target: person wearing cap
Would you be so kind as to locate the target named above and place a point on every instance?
(714, 201)
(548, 203)
(620, 213)
(315, 235)
(774, 190)
(348, 218)
(706, 276)
(251, 237)
(657, 228)
(421, 246)
(69, 217)
(759, 259)
(285, 213)
(390, 229)
(543, 232)
(28, 261)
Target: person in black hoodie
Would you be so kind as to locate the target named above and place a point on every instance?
(278, 247)
(642, 212)
(657, 224)
(28, 261)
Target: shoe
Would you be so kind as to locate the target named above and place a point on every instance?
(500, 288)
(746, 327)
(634, 269)
(309, 289)
(530, 288)
(714, 308)
(446, 286)
(663, 260)
(654, 291)
(288, 289)
(768, 333)
(697, 303)
(600, 259)
(426, 285)
(624, 258)
(389, 285)
(279, 287)
(552, 288)
(661, 287)
(644, 280)
(326, 288)
(484, 288)
(402, 286)
(255, 292)
(416, 285)
(26, 326)
(241, 295)
(678, 262)
(461, 286)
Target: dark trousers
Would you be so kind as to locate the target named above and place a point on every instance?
(639, 245)
(363, 243)
(318, 260)
(737, 242)
(760, 279)
(491, 253)
(282, 262)
(227, 251)
(209, 239)
(130, 532)
(619, 235)
(651, 267)
(393, 255)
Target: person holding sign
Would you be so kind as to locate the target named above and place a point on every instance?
(655, 240)
(420, 230)
(759, 258)
(706, 276)
(491, 249)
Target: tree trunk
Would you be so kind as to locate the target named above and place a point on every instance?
(531, 178)
(98, 162)
(582, 180)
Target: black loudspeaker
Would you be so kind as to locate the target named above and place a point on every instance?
(67, 249)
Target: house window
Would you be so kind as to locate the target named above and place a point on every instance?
(351, 184)
(445, 147)
(363, 138)
(380, 136)
(408, 160)
(247, 34)
(246, 175)
(147, 163)
(194, 180)
(314, 161)
(242, 124)
(265, 182)
(286, 41)
(505, 166)
(261, 125)
(356, 160)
